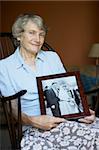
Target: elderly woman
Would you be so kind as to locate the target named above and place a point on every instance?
(19, 71)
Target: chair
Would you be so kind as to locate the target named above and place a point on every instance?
(95, 105)
(14, 122)
(7, 48)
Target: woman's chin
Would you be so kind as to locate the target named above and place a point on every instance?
(35, 51)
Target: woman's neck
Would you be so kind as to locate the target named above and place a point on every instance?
(29, 58)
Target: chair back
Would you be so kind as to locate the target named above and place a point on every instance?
(6, 45)
(13, 118)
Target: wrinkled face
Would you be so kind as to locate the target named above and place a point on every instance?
(32, 39)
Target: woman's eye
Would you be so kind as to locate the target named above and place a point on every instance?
(42, 35)
(31, 33)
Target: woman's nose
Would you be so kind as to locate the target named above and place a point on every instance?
(37, 38)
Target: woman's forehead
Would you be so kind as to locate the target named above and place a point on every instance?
(31, 26)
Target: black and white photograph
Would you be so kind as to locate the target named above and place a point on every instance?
(62, 95)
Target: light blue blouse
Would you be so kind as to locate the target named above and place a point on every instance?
(15, 75)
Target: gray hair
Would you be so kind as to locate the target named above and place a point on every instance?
(22, 20)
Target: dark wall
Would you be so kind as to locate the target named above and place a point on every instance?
(73, 26)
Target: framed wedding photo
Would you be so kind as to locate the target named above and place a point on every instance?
(62, 95)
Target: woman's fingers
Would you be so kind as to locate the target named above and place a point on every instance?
(88, 119)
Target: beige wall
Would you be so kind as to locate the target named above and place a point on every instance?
(73, 26)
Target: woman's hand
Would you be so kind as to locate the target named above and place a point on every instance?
(88, 119)
(45, 122)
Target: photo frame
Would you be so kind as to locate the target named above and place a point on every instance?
(62, 95)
